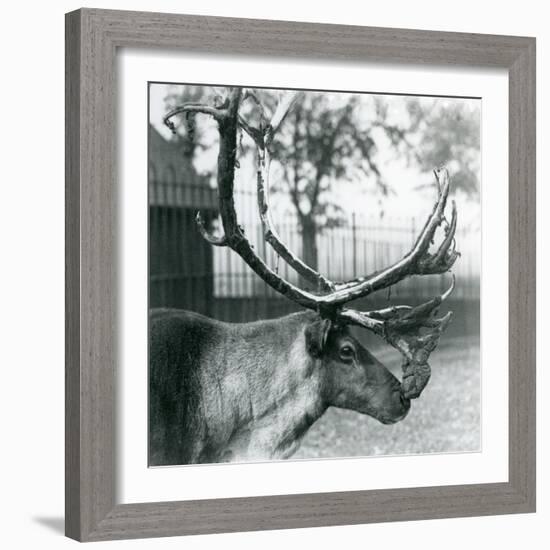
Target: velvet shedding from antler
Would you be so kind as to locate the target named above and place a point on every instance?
(413, 331)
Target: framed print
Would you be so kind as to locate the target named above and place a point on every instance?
(300, 276)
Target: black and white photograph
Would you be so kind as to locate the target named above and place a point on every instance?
(314, 274)
(270, 275)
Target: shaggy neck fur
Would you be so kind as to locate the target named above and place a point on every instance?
(268, 399)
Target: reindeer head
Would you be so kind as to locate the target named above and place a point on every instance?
(351, 377)
(414, 331)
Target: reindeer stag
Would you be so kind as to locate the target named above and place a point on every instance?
(224, 392)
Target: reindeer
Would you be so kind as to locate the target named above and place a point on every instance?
(240, 392)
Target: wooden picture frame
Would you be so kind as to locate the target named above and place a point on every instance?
(92, 39)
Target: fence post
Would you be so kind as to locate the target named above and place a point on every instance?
(413, 286)
(354, 240)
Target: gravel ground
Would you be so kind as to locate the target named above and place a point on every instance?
(446, 418)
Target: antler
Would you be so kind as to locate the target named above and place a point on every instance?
(270, 233)
(414, 331)
(228, 120)
(418, 261)
(263, 140)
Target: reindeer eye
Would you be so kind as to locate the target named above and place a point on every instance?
(347, 352)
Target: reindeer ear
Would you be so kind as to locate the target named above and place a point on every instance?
(317, 335)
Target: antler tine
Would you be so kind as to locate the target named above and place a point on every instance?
(445, 254)
(413, 331)
(285, 105)
(207, 236)
(218, 113)
(192, 107)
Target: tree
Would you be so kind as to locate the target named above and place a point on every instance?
(448, 134)
(320, 143)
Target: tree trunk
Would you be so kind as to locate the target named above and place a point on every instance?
(309, 246)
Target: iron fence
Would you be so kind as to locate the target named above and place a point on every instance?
(186, 272)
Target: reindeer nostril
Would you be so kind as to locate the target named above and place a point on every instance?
(405, 402)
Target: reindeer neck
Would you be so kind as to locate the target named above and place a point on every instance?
(285, 397)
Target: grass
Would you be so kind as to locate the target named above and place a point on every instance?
(446, 417)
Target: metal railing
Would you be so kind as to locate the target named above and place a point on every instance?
(186, 272)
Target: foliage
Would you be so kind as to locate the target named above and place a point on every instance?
(448, 134)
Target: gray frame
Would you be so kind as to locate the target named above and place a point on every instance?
(92, 39)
